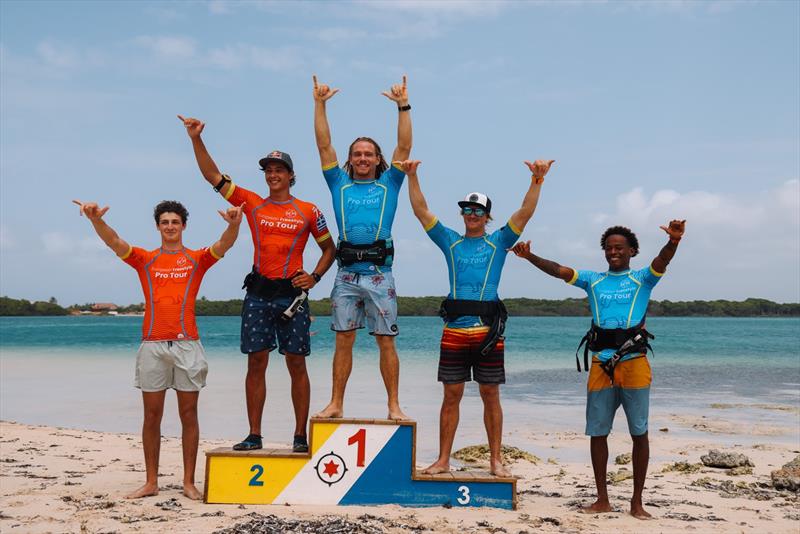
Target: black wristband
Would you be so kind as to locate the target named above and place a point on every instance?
(225, 180)
(316, 277)
(407, 107)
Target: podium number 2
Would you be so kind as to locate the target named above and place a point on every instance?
(258, 470)
(464, 499)
(360, 438)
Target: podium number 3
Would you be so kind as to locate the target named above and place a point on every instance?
(360, 438)
(258, 470)
(464, 499)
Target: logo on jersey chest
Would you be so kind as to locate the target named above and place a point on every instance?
(180, 272)
(289, 222)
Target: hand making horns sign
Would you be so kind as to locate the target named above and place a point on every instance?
(91, 210)
(539, 167)
(194, 127)
(398, 92)
(232, 215)
(321, 91)
(409, 166)
(675, 229)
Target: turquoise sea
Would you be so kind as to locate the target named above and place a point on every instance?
(78, 372)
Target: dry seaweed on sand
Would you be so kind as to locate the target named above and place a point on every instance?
(480, 453)
(364, 524)
(682, 467)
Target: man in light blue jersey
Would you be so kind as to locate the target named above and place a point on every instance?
(472, 341)
(364, 191)
(620, 373)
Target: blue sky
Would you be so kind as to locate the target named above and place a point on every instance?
(652, 111)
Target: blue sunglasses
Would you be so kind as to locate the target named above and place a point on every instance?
(478, 212)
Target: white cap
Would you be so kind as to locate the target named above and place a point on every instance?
(477, 199)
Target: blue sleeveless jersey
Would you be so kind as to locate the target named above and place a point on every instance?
(474, 264)
(617, 299)
(364, 210)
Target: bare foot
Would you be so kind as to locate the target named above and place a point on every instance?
(638, 511)
(436, 468)
(499, 470)
(331, 411)
(597, 508)
(397, 415)
(190, 491)
(147, 490)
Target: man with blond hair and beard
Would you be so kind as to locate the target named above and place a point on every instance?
(365, 191)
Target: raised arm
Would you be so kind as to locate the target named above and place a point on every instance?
(539, 169)
(399, 95)
(523, 250)
(95, 215)
(675, 232)
(322, 131)
(233, 216)
(415, 196)
(194, 127)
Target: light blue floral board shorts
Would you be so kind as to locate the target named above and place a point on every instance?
(356, 296)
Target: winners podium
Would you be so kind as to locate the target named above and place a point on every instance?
(350, 461)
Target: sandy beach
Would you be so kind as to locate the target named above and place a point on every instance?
(64, 480)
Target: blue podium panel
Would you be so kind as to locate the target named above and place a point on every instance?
(351, 461)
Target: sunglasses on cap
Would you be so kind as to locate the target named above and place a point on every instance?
(478, 212)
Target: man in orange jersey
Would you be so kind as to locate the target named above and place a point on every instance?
(171, 355)
(280, 225)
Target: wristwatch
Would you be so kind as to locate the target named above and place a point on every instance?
(316, 277)
(225, 180)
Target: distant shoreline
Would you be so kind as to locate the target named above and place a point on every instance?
(429, 307)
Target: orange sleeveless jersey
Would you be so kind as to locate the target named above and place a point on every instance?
(280, 230)
(170, 281)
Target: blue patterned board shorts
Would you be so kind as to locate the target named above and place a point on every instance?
(356, 296)
(262, 324)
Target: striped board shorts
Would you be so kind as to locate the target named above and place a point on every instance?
(631, 390)
(460, 359)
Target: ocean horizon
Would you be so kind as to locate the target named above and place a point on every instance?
(77, 372)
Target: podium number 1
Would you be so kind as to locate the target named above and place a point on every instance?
(360, 438)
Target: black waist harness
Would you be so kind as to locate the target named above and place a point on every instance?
(492, 313)
(380, 253)
(269, 288)
(623, 340)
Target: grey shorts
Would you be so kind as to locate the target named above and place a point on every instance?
(356, 296)
(179, 365)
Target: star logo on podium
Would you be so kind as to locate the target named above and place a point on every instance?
(330, 468)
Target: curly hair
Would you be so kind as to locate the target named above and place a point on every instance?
(629, 236)
(170, 206)
(382, 165)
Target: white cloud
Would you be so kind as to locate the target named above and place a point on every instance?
(57, 55)
(454, 7)
(168, 47)
(61, 244)
(243, 55)
(338, 35)
(752, 211)
(219, 7)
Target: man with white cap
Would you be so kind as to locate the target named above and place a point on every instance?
(472, 342)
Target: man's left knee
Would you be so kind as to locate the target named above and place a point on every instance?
(384, 342)
(489, 392)
(296, 364)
